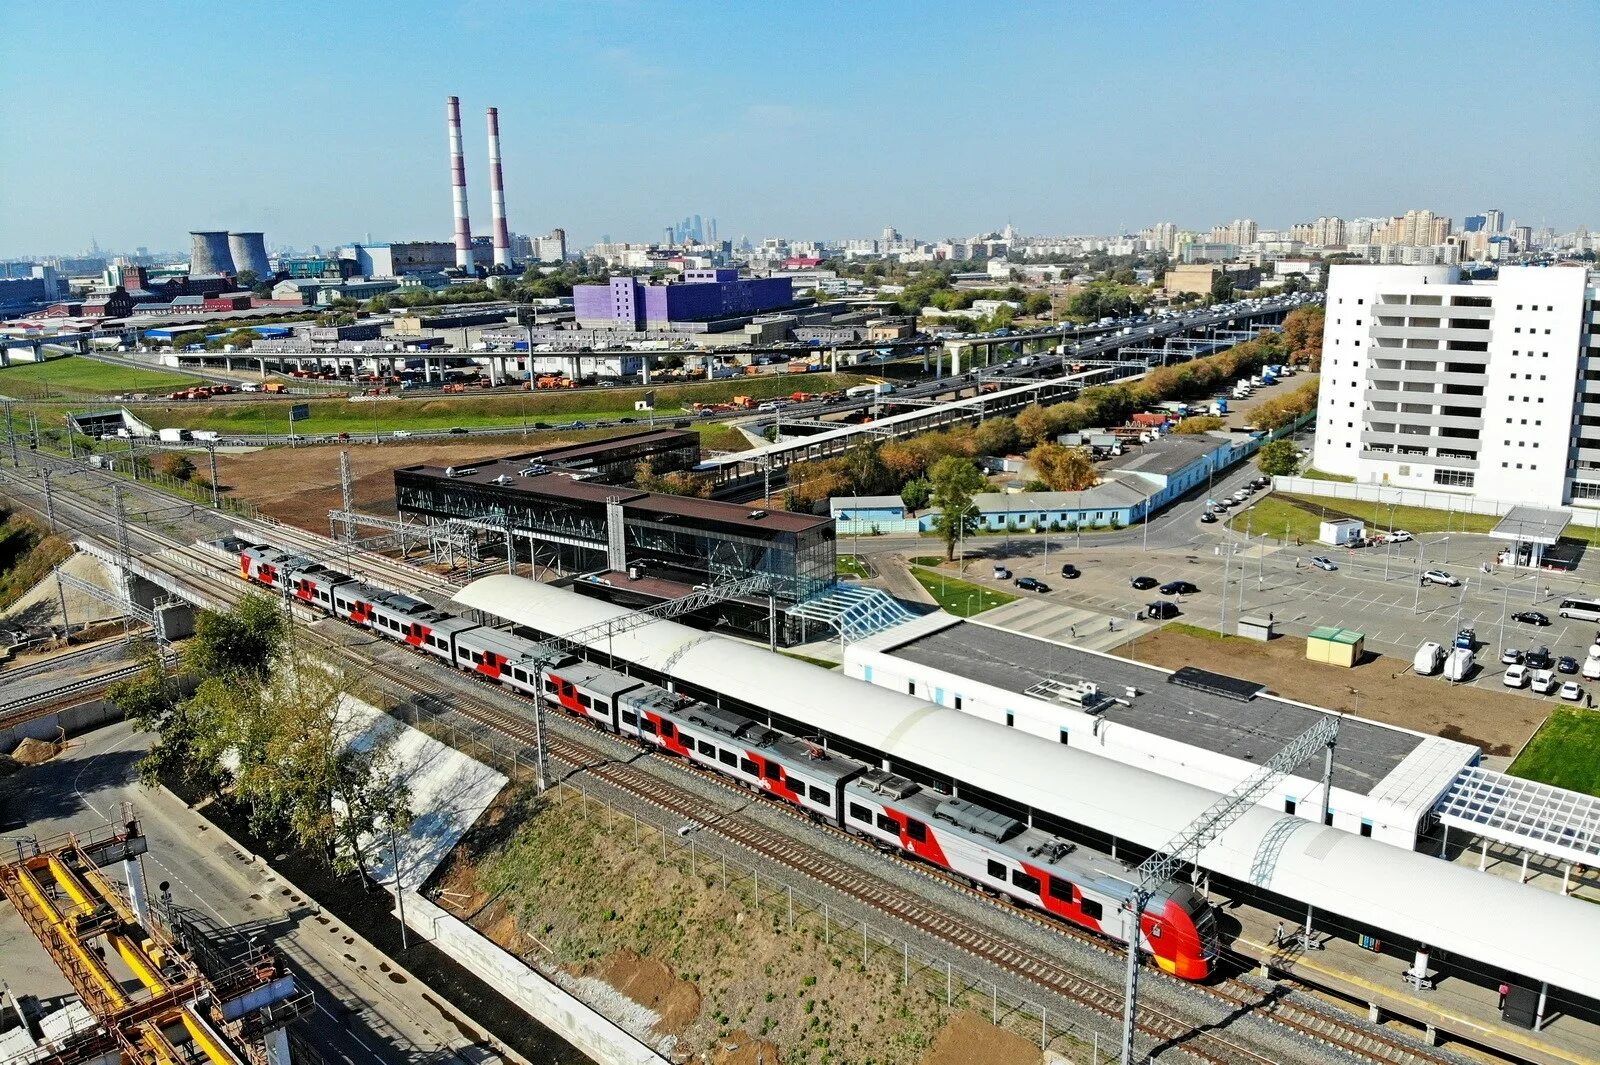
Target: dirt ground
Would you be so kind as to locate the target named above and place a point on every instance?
(553, 884)
(1377, 689)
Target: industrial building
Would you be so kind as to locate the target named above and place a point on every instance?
(399, 258)
(703, 297)
(209, 253)
(1479, 388)
(249, 252)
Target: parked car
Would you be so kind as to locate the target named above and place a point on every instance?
(1571, 691)
(1566, 664)
(1001, 573)
(1162, 610)
(1511, 656)
(1031, 584)
(1071, 572)
(1517, 677)
(1400, 536)
(1324, 563)
(1530, 617)
(1544, 681)
(1142, 583)
(1178, 588)
(1439, 576)
(457, 430)
(1467, 638)
(1538, 658)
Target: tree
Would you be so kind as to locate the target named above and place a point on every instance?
(1279, 458)
(192, 338)
(955, 481)
(915, 494)
(1064, 469)
(175, 465)
(1221, 287)
(239, 643)
(246, 279)
(997, 436)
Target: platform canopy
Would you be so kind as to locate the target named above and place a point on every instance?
(1536, 817)
(1533, 525)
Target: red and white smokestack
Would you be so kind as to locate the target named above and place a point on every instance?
(458, 187)
(497, 194)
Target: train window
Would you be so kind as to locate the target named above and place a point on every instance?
(646, 725)
(1288, 806)
(822, 795)
(997, 870)
(916, 830)
(707, 749)
(520, 675)
(630, 718)
(1366, 829)
(477, 659)
(585, 702)
(772, 771)
(888, 824)
(668, 729)
(1091, 909)
(550, 685)
(747, 766)
(860, 813)
(1026, 881)
(728, 757)
(1060, 889)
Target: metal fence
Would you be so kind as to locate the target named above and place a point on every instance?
(795, 909)
(1389, 495)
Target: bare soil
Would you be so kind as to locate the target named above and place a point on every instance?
(564, 887)
(31, 751)
(970, 1040)
(1380, 688)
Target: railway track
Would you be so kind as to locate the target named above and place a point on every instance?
(1164, 1030)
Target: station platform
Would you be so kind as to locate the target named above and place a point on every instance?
(1455, 1009)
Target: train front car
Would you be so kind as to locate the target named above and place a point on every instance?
(1180, 933)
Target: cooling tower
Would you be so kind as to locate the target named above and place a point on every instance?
(209, 254)
(249, 251)
(458, 187)
(497, 195)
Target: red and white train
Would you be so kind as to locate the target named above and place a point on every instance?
(989, 849)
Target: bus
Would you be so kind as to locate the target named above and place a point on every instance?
(1582, 609)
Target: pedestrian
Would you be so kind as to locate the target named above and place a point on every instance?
(1505, 989)
(1111, 626)
(1074, 630)
(1269, 617)
(1588, 700)
(1277, 935)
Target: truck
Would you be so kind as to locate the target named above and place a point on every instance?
(275, 387)
(881, 388)
(172, 436)
(1428, 659)
(207, 435)
(1591, 663)
(1151, 419)
(1459, 664)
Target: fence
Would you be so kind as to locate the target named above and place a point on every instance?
(1389, 495)
(796, 909)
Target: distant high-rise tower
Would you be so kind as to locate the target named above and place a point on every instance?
(497, 195)
(208, 253)
(249, 252)
(1494, 221)
(458, 186)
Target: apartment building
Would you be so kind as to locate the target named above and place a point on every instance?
(1488, 388)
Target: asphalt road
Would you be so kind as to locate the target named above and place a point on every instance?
(362, 1015)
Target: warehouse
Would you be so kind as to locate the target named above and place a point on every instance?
(1386, 780)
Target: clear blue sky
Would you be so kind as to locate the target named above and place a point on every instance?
(324, 122)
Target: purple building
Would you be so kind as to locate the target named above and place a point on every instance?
(702, 296)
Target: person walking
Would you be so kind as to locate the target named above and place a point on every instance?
(1277, 935)
(1505, 989)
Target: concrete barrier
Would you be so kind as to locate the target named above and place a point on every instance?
(567, 1016)
(71, 720)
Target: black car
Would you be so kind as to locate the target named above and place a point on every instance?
(1538, 659)
(541, 425)
(1162, 609)
(1142, 583)
(1031, 584)
(1178, 588)
(1071, 572)
(1207, 518)
(1566, 664)
(1530, 617)
(457, 431)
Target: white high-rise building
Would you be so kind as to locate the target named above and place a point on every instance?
(1481, 388)
(1494, 221)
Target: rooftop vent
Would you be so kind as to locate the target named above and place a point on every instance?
(757, 515)
(1084, 695)
(463, 471)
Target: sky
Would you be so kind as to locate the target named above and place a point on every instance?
(323, 123)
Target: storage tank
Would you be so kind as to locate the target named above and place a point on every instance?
(249, 252)
(209, 254)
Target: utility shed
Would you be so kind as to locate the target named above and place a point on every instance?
(1335, 646)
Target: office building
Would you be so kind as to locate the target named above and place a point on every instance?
(1481, 388)
(1494, 221)
(398, 258)
(704, 296)
(552, 247)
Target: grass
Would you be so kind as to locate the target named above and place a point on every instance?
(1276, 516)
(26, 556)
(1311, 473)
(340, 415)
(1183, 628)
(823, 662)
(958, 597)
(1304, 517)
(1565, 752)
(73, 376)
(852, 566)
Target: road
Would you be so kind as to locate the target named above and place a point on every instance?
(363, 1016)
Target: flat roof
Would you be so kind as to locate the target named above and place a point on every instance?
(589, 448)
(1336, 635)
(1533, 524)
(1251, 730)
(1166, 455)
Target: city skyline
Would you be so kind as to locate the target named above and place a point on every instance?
(784, 137)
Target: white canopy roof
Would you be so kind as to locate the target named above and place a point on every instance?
(1481, 916)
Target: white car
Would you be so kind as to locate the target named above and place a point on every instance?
(1400, 536)
(1570, 690)
(1439, 576)
(1544, 681)
(1516, 676)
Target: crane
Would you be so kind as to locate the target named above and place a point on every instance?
(1184, 849)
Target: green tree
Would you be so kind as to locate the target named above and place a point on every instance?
(175, 465)
(1203, 423)
(239, 643)
(997, 436)
(915, 494)
(1221, 287)
(955, 481)
(246, 279)
(1064, 469)
(1279, 458)
(191, 338)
